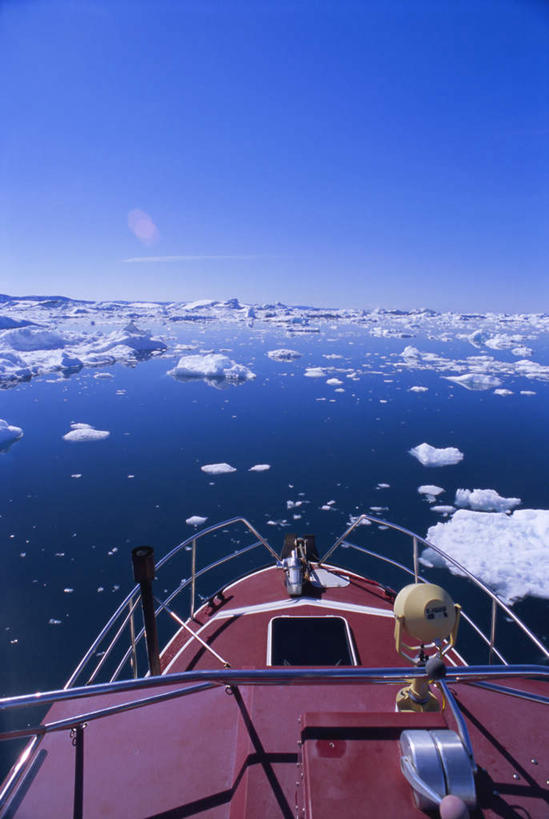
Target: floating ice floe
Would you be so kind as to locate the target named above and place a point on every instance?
(85, 432)
(214, 368)
(418, 389)
(485, 500)
(443, 510)
(334, 382)
(508, 552)
(217, 469)
(283, 355)
(503, 392)
(9, 434)
(430, 491)
(383, 486)
(315, 372)
(195, 520)
(432, 456)
(475, 381)
(259, 468)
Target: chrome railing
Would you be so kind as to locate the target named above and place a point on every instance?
(123, 617)
(496, 603)
(198, 681)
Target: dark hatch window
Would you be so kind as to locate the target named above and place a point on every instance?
(310, 641)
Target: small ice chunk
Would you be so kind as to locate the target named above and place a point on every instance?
(76, 475)
(474, 381)
(443, 510)
(430, 489)
(527, 392)
(326, 508)
(315, 372)
(53, 622)
(508, 552)
(85, 432)
(334, 382)
(259, 468)
(103, 375)
(432, 456)
(485, 500)
(503, 392)
(290, 504)
(283, 355)
(418, 389)
(383, 486)
(195, 520)
(8, 434)
(217, 469)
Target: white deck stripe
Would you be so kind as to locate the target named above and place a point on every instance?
(296, 602)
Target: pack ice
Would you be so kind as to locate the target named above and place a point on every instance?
(507, 552)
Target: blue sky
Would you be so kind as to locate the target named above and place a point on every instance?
(333, 153)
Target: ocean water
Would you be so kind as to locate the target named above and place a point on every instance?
(138, 486)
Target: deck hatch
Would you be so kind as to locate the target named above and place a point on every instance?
(310, 641)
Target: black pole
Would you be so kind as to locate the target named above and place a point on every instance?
(143, 572)
(78, 742)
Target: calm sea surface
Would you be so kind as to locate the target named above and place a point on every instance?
(138, 486)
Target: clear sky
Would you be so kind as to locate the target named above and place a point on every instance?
(330, 152)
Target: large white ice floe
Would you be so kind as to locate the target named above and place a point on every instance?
(485, 500)
(283, 355)
(8, 434)
(80, 432)
(507, 552)
(432, 456)
(217, 469)
(212, 367)
(259, 468)
(475, 381)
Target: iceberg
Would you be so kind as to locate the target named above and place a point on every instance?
(474, 381)
(85, 432)
(485, 500)
(283, 355)
(429, 455)
(8, 434)
(27, 339)
(212, 367)
(217, 469)
(508, 552)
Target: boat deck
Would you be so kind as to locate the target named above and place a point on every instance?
(279, 750)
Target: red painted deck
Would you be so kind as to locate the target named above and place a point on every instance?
(257, 751)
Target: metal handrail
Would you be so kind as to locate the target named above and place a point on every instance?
(420, 579)
(344, 675)
(165, 559)
(132, 598)
(496, 602)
